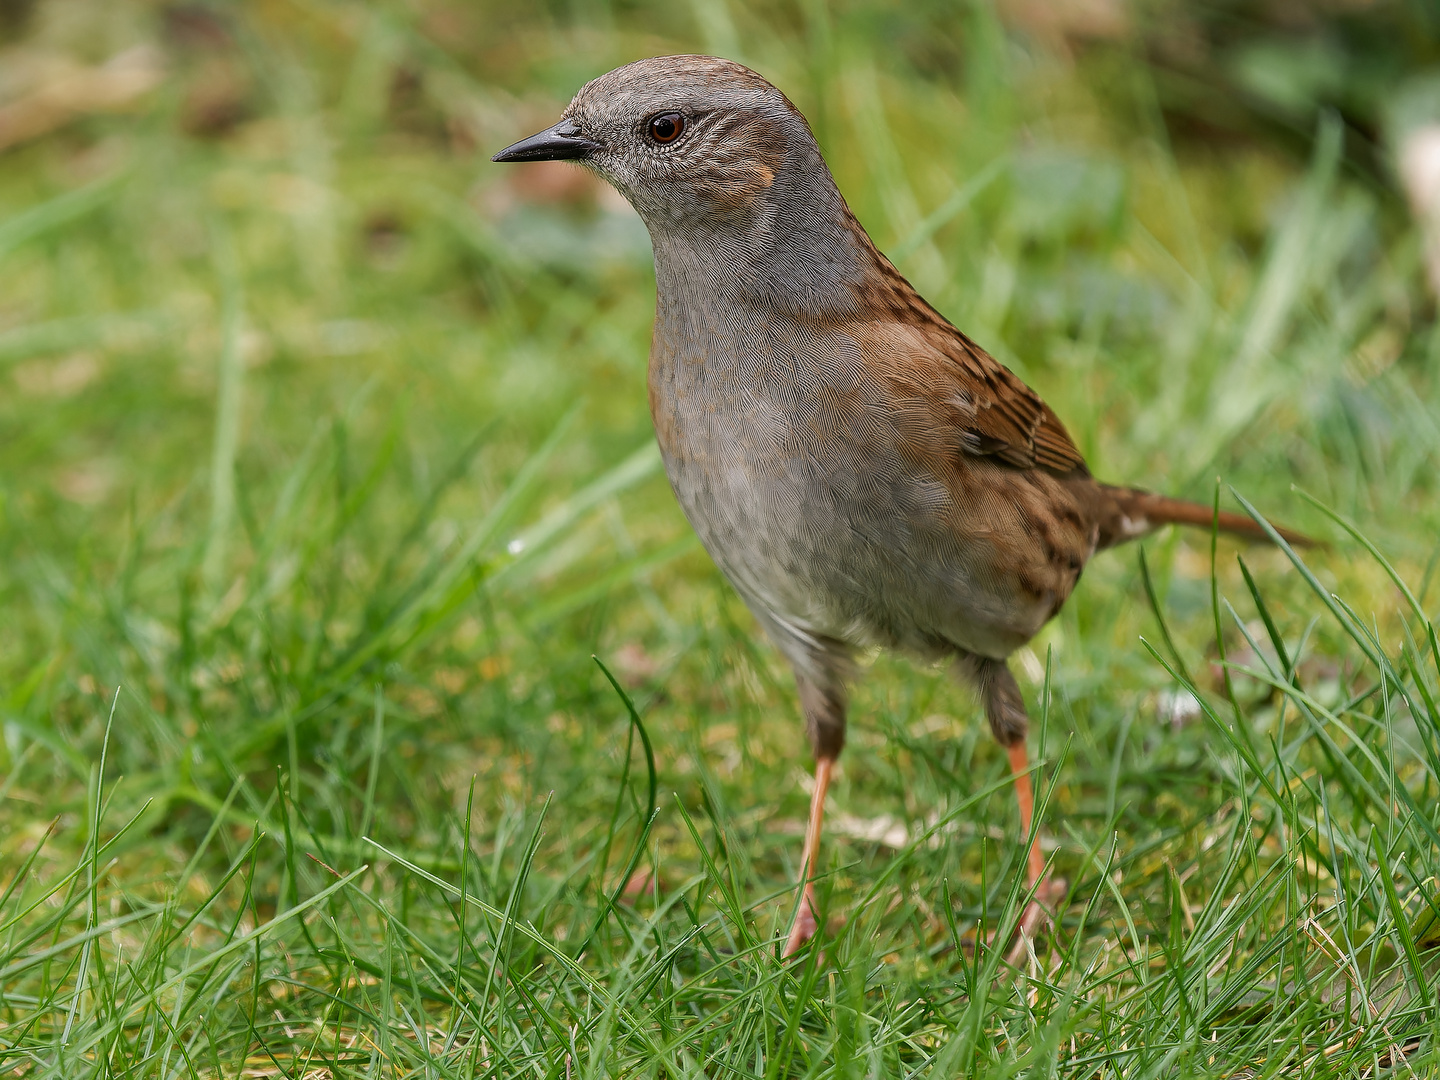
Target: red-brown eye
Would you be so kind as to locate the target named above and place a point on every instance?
(666, 127)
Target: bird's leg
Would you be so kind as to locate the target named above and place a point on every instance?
(1005, 709)
(821, 682)
(805, 919)
(1035, 911)
(1020, 771)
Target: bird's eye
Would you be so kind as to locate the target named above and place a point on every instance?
(666, 127)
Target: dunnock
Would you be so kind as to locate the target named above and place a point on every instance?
(862, 472)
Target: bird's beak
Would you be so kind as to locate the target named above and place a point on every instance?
(563, 142)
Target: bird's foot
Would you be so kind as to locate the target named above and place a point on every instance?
(1039, 912)
(640, 882)
(805, 924)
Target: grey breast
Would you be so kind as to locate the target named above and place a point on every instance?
(784, 455)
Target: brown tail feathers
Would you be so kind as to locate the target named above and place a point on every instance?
(1135, 513)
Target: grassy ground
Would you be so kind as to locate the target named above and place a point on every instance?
(325, 469)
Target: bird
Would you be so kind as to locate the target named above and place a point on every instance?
(862, 472)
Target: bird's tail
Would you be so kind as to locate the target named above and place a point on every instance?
(1133, 513)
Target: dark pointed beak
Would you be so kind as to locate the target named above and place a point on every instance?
(563, 142)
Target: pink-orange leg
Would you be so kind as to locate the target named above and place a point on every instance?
(1020, 770)
(805, 921)
(1045, 891)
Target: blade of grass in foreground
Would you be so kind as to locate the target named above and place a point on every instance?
(58, 212)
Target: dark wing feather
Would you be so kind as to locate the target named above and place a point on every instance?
(1009, 420)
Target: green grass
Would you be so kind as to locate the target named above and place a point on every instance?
(325, 470)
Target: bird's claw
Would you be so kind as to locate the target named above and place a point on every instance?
(805, 924)
(1039, 912)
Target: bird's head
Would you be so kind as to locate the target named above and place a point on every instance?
(688, 140)
(728, 178)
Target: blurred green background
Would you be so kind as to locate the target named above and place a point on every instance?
(325, 442)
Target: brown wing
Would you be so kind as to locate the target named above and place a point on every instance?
(1009, 421)
(949, 395)
(998, 416)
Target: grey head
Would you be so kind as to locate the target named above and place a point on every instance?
(727, 176)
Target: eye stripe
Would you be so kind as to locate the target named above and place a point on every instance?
(666, 127)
